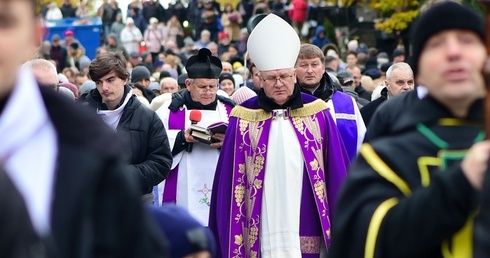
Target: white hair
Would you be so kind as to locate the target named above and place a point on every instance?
(62, 78)
(353, 45)
(169, 79)
(66, 92)
(41, 64)
(205, 32)
(399, 65)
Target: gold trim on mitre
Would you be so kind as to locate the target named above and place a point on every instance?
(257, 115)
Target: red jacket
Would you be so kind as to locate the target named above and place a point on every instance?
(299, 10)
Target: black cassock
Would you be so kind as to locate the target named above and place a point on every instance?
(406, 195)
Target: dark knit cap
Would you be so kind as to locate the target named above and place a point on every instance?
(181, 79)
(385, 66)
(226, 76)
(140, 73)
(164, 74)
(398, 52)
(444, 16)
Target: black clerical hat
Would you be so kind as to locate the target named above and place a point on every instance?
(203, 65)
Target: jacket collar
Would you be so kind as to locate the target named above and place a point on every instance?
(419, 113)
(95, 99)
(191, 104)
(325, 90)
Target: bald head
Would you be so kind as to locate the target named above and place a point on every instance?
(227, 67)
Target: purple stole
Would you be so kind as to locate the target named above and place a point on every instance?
(346, 122)
(250, 152)
(176, 121)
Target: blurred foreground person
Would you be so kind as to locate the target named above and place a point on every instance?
(66, 163)
(17, 237)
(189, 238)
(415, 193)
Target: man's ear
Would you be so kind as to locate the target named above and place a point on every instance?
(39, 31)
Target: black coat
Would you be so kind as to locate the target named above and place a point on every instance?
(482, 222)
(17, 237)
(143, 131)
(408, 189)
(68, 11)
(97, 209)
(363, 93)
(368, 110)
(385, 116)
(326, 89)
(153, 10)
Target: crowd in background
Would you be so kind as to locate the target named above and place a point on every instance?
(163, 39)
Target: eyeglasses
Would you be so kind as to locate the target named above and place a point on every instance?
(204, 89)
(273, 80)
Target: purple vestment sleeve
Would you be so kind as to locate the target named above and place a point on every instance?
(222, 190)
(337, 162)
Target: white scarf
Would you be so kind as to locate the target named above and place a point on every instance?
(29, 148)
(112, 117)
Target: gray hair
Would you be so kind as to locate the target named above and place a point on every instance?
(41, 64)
(211, 44)
(205, 32)
(399, 65)
(170, 79)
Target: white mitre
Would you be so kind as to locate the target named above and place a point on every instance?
(273, 44)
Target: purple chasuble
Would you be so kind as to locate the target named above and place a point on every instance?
(237, 189)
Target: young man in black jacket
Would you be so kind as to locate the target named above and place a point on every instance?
(67, 165)
(139, 126)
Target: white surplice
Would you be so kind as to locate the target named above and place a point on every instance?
(196, 168)
(281, 200)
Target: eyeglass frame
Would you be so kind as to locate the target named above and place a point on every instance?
(212, 89)
(273, 81)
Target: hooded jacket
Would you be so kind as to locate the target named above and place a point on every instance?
(317, 41)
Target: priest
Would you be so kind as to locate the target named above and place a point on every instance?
(282, 163)
(194, 163)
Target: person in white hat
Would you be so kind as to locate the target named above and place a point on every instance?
(282, 160)
(131, 36)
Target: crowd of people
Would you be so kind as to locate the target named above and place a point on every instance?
(163, 39)
(243, 142)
